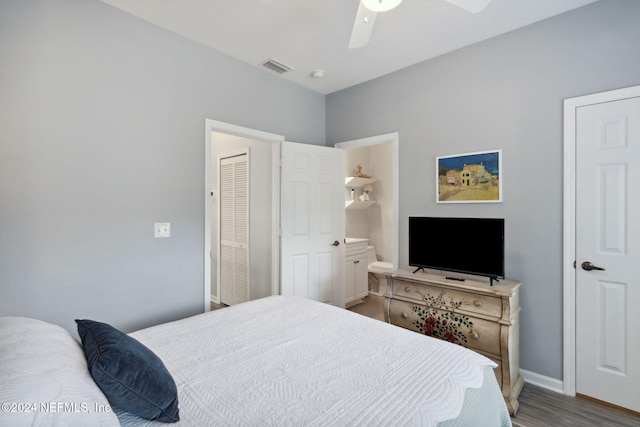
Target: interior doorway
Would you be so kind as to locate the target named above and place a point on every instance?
(264, 194)
(386, 219)
(601, 143)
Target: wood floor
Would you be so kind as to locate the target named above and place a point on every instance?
(540, 407)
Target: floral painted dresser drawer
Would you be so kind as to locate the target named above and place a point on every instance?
(458, 328)
(463, 301)
(470, 312)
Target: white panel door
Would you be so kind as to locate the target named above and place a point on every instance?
(234, 229)
(608, 252)
(312, 222)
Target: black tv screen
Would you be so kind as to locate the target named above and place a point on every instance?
(463, 245)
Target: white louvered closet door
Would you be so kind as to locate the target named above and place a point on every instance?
(234, 229)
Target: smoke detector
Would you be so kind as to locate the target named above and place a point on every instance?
(317, 74)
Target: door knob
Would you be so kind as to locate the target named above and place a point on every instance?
(336, 243)
(588, 266)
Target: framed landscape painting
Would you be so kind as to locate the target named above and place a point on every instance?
(469, 178)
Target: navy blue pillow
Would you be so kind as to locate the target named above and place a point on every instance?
(128, 373)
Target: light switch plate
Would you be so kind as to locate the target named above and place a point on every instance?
(162, 229)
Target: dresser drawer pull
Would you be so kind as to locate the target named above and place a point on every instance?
(405, 316)
(475, 336)
(477, 303)
(407, 289)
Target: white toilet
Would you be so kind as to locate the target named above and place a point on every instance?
(377, 269)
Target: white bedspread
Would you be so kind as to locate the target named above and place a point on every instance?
(290, 361)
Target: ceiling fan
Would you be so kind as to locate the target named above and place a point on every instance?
(368, 9)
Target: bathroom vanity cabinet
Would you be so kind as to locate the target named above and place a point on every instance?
(356, 272)
(471, 313)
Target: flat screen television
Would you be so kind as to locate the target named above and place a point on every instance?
(461, 245)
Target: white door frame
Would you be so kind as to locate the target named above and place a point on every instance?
(221, 127)
(380, 139)
(569, 225)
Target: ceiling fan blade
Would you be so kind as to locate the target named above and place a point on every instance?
(362, 27)
(473, 6)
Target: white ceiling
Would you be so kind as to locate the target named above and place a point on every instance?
(308, 35)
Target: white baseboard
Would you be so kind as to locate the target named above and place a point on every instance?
(352, 303)
(542, 381)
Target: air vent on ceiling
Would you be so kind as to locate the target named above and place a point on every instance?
(276, 66)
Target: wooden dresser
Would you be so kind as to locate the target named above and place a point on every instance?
(471, 313)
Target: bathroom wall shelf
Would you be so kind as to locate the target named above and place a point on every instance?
(357, 204)
(357, 182)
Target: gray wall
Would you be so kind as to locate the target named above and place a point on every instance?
(503, 93)
(102, 120)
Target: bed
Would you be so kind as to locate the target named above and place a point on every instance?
(276, 361)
